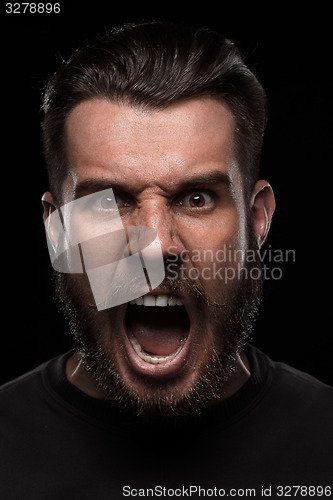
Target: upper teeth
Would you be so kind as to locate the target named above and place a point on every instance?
(158, 300)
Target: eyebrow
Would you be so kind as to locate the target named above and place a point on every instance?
(206, 179)
(215, 177)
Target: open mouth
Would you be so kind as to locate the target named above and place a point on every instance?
(157, 327)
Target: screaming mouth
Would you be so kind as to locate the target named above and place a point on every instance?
(157, 327)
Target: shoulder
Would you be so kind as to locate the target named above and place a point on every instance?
(21, 382)
(299, 396)
(301, 383)
(22, 393)
(26, 391)
(284, 373)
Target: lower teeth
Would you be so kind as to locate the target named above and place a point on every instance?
(150, 358)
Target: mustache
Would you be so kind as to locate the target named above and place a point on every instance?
(186, 285)
(177, 285)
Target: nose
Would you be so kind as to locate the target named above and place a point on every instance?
(160, 217)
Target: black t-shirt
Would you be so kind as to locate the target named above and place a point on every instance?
(274, 438)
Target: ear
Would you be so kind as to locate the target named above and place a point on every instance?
(263, 206)
(48, 205)
(52, 224)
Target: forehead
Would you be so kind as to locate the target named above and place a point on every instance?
(106, 139)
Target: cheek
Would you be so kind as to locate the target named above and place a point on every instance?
(215, 252)
(213, 236)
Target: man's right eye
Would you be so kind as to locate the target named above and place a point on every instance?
(109, 205)
(100, 204)
(107, 202)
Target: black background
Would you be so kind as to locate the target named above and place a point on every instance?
(290, 51)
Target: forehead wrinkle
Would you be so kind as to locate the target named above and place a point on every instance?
(103, 125)
(158, 161)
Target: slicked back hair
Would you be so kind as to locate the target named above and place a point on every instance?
(151, 66)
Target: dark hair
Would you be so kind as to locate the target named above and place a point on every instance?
(152, 65)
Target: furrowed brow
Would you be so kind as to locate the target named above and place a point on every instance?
(212, 178)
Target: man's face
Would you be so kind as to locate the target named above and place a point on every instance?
(173, 170)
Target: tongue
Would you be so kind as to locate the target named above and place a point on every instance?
(158, 330)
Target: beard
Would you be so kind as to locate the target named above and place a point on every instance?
(229, 316)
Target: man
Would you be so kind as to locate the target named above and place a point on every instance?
(154, 218)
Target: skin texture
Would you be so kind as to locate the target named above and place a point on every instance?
(155, 161)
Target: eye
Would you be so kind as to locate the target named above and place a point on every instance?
(198, 199)
(107, 202)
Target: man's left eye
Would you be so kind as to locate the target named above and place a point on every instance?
(198, 199)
